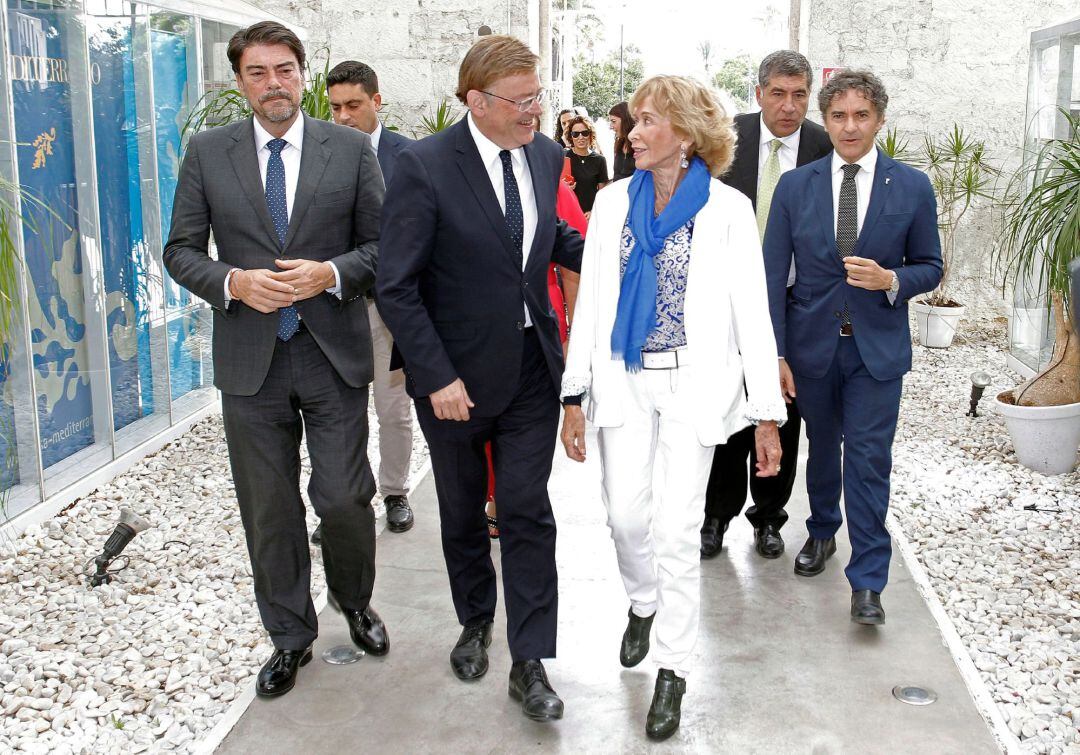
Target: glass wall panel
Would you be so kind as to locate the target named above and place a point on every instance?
(47, 64)
(174, 58)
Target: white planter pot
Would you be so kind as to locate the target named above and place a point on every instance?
(1045, 437)
(937, 325)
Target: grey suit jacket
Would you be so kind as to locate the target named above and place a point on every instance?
(335, 218)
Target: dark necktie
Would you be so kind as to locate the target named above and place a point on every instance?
(515, 218)
(289, 321)
(847, 223)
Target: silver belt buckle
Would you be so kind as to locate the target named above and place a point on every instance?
(660, 360)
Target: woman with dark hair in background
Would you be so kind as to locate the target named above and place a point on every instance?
(621, 122)
(587, 166)
(562, 134)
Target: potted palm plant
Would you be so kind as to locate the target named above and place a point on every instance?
(960, 174)
(1040, 239)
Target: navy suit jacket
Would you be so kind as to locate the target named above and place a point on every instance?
(390, 144)
(899, 232)
(449, 285)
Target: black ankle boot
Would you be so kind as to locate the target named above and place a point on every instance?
(666, 708)
(635, 640)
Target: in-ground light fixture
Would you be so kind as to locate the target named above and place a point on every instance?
(979, 381)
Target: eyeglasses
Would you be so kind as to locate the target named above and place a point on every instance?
(579, 134)
(522, 105)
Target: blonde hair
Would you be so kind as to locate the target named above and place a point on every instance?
(695, 114)
(493, 57)
(593, 144)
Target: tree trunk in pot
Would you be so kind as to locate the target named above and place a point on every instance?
(1059, 383)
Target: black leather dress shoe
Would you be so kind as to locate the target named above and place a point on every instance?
(316, 536)
(469, 658)
(529, 684)
(666, 709)
(866, 607)
(367, 630)
(768, 542)
(812, 557)
(399, 516)
(635, 640)
(278, 675)
(712, 537)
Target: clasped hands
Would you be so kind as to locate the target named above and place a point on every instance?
(269, 290)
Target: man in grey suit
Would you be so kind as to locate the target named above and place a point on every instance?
(294, 207)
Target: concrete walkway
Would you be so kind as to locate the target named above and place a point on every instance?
(780, 667)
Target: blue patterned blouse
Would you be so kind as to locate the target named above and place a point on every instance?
(672, 263)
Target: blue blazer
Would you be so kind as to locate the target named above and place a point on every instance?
(899, 232)
(390, 144)
(449, 284)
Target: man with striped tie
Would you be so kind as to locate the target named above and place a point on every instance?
(862, 231)
(294, 206)
(770, 143)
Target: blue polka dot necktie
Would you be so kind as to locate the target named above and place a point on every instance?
(847, 223)
(289, 321)
(515, 218)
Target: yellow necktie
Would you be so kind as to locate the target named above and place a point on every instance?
(770, 174)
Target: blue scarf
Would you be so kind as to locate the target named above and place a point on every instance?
(635, 317)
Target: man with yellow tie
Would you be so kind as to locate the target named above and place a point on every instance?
(773, 142)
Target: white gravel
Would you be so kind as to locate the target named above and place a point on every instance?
(1009, 578)
(152, 661)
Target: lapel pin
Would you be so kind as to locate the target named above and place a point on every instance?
(887, 181)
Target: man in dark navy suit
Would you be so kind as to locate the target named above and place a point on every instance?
(770, 143)
(862, 230)
(355, 101)
(470, 230)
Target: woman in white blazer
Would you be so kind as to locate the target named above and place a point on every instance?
(672, 346)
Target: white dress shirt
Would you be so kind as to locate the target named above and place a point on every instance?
(489, 156)
(788, 154)
(864, 183)
(290, 157)
(376, 135)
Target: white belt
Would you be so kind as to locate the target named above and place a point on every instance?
(664, 360)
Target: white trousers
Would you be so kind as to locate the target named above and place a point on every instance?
(392, 407)
(656, 527)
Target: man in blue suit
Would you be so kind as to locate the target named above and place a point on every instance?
(861, 230)
(469, 231)
(355, 101)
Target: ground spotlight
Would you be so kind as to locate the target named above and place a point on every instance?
(130, 525)
(979, 381)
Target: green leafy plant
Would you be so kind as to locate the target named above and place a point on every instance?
(439, 119)
(894, 145)
(1040, 238)
(960, 174)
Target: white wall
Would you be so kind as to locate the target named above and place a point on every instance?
(415, 46)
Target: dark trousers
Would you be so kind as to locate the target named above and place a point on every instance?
(302, 392)
(522, 444)
(849, 409)
(726, 494)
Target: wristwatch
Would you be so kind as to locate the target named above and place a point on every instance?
(894, 287)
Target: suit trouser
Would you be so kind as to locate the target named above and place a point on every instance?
(655, 527)
(522, 444)
(393, 407)
(726, 493)
(848, 408)
(302, 391)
